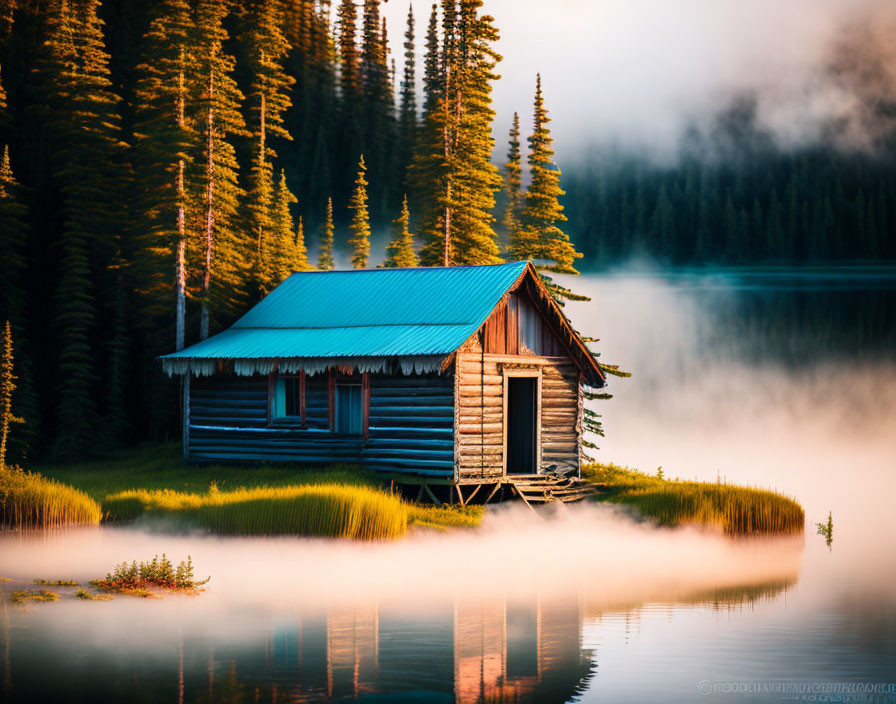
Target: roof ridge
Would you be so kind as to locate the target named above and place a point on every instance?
(409, 268)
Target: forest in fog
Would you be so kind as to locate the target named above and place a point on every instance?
(166, 163)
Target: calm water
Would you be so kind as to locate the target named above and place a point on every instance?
(765, 378)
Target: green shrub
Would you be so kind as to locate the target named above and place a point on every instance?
(20, 596)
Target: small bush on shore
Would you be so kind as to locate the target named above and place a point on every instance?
(136, 578)
(20, 596)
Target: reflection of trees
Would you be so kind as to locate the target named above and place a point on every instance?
(725, 598)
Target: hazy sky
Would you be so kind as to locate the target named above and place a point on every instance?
(634, 72)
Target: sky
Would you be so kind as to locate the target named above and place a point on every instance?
(634, 74)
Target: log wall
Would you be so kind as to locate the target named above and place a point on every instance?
(410, 425)
(480, 419)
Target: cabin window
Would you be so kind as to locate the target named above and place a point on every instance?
(348, 412)
(287, 402)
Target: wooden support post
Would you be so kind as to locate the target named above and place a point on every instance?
(470, 497)
(434, 498)
(419, 494)
(494, 491)
(185, 387)
(460, 496)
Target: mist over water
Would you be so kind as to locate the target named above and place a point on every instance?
(637, 75)
(763, 378)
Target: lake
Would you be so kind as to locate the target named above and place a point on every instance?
(765, 377)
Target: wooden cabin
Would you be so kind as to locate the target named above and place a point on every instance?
(458, 376)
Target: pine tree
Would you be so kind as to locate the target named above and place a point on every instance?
(360, 226)
(225, 254)
(513, 185)
(83, 128)
(350, 119)
(267, 99)
(4, 115)
(432, 74)
(325, 255)
(12, 243)
(279, 255)
(542, 213)
(301, 262)
(7, 390)
(13, 235)
(377, 102)
(455, 178)
(165, 139)
(400, 251)
(407, 114)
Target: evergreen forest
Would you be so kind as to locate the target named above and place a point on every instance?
(167, 163)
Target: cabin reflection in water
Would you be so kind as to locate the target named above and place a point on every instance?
(473, 652)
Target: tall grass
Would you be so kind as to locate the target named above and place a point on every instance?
(735, 510)
(325, 510)
(28, 500)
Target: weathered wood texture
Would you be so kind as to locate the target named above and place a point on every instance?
(519, 328)
(410, 424)
(480, 410)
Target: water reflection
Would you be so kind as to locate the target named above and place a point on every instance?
(466, 651)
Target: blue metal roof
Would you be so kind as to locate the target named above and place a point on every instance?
(366, 313)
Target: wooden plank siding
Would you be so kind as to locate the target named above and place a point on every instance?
(410, 424)
(506, 342)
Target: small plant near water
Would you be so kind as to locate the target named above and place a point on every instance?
(137, 578)
(20, 596)
(736, 510)
(85, 595)
(827, 530)
(57, 582)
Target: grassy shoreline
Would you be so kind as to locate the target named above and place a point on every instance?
(734, 510)
(340, 501)
(343, 501)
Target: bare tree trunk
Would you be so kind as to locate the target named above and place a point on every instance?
(446, 144)
(210, 213)
(180, 268)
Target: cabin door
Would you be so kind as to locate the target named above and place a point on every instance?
(521, 415)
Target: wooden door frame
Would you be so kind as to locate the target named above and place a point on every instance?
(530, 373)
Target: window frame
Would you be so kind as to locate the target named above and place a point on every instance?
(294, 421)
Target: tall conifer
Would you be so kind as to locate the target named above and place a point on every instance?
(360, 225)
(325, 253)
(83, 127)
(453, 166)
(165, 140)
(224, 251)
(513, 185)
(279, 246)
(267, 100)
(400, 251)
(407, 114)
(542, 213)
(301, 263)
(432, 74)
(13, 297)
